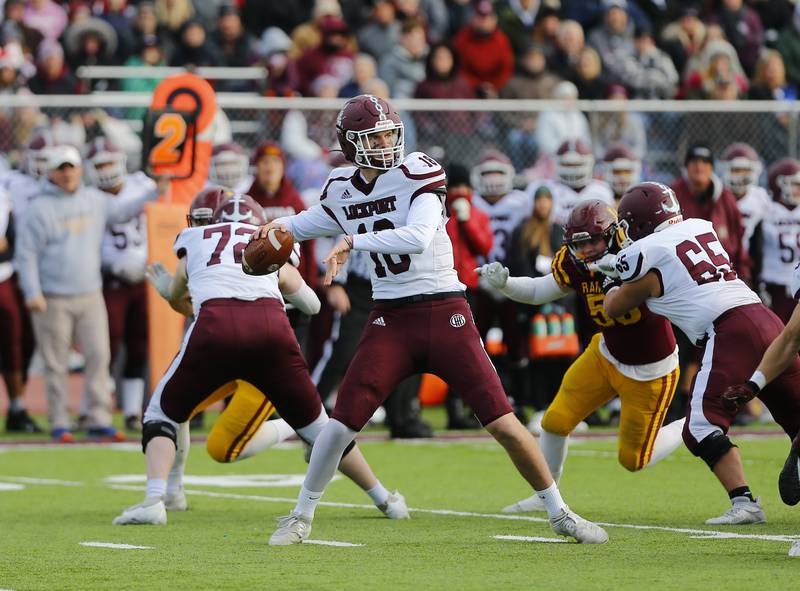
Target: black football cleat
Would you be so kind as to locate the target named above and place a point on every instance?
(19, 421)
(412, 430)
(789, 478)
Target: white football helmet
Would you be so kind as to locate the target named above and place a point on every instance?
(493, 175)
(229, 165)
(106, 164)
(740, 167)
(621, 168)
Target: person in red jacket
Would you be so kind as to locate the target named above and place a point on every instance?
(273, 191)
(487, 60)
(470, 231)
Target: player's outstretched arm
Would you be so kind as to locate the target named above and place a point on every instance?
(310, 223)
(296, 291)
(525, 290)
(162, 281)
(620, 299)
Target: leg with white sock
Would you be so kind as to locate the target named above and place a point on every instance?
(554, 450)
(269, 434)
(669, 439)
(175, 499)
(132, 397)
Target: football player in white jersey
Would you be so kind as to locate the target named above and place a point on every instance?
(621, 169)
(680, 270)
(238, 318)
(392, 206)
(780, 235)
(740, 168)
(23, 184)
(123, 258)
(493, 180)
(574, 182)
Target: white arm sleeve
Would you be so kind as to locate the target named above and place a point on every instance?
(311, 223)
(304, 299)
(530, 290)
(424, 216)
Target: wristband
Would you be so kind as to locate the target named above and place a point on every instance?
(349, 241)
(759, 380)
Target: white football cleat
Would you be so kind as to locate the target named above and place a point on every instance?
(795, 549)
(395, 506)
(532, 503)
(569, 523)
(176, 501)
(151, 511)
(292, 529)
(741, 513)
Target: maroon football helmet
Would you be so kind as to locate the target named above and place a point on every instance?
(588, 220)
(493, 175)
(574, 163)
(783, 180)
(107, 163)
(240, 208)
(205, 203)
(229, 165)
(621, 168)
(646, 208)
(361, 117)
(740, 167)
(35, 163)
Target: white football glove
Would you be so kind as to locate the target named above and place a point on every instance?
(607, 265)
(161, 279)
(461, 208)
(494, 273)
(794, 284)
(543, 264)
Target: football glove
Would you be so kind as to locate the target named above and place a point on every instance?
(160, 278)
(610, 283)
(794, 284)
(607, 265)
(735, 397)
(494, 273)
(294, 258)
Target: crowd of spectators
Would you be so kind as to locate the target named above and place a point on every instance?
(648, 49)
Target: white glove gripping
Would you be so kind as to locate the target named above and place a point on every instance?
(461, 208)
(607, 265)
(494, 273)
(160, 278)
(294, 258)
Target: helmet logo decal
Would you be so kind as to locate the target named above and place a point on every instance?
(378, 107)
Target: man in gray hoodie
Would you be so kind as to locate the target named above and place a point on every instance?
(58, 261)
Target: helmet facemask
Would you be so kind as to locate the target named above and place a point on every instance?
(740, 174)
(575, 170)
(609, 235)
(375, 157)
(228, 169)
(37, 162)
(790, 189)
(622, 174)
(108, 170)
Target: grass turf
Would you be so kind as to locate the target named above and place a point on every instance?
(220, 543)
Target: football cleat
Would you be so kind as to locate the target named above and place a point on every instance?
(741, 513)
(795, 549)
(292, 529)
(789, 479)
(569, 523)
(62, 435)
(176, 501)
(19, 421)
(532, 503)
(395, 506)
(151, 511)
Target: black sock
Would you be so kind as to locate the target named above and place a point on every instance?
(742, 491)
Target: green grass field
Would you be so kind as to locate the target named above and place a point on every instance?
(221, 542)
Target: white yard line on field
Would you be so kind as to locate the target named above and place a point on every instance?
(115, 546)
(51, 481)
(532, 539)
(333, 543)
(7, 486)
(696, 533)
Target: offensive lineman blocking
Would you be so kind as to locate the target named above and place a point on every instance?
(392, 207)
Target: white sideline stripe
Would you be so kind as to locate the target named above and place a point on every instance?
(52, 481)
(332, 543)
(507, 517)
(531, 539)
(6, 487)
(116, 546)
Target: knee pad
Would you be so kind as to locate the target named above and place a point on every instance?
(247, 411)
(712, 448)
(152, 429)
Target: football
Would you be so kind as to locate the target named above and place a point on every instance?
(263, 256)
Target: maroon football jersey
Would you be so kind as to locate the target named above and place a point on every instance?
(637, 338)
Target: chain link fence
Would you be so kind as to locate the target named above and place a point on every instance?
(451, 131)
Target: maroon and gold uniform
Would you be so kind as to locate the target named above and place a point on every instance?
(634, 356)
